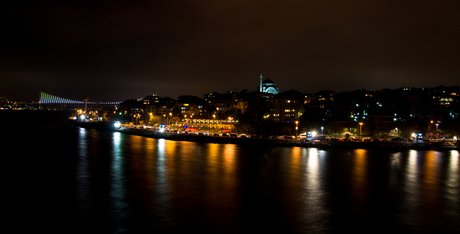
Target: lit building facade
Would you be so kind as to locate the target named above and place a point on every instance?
(284, 109)
(204, 124)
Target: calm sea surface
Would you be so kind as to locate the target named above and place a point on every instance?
(69, 179)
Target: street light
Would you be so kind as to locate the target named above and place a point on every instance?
(322, 130)
(360, 127)
(296, 128)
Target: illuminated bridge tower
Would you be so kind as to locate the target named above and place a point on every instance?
(85, 99)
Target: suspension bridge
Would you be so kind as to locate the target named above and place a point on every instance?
(46, 98)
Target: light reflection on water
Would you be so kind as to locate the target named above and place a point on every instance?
(82, 172)
(314, 210)
(453, 178)
(164, 185)
(117, 197)
(359, 178)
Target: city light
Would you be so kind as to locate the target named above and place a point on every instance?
(117, 124)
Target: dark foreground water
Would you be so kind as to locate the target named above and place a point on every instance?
(75, 180)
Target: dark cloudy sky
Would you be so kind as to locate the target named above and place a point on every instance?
(116, 50)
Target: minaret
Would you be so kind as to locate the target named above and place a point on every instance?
(260, 86)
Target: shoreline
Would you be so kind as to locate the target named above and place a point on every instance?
(326, 144)
(289, 143)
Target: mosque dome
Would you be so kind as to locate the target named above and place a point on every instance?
(268, 81)
(267, 86)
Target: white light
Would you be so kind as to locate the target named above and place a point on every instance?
(117, 124)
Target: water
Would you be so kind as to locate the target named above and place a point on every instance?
(68, 179)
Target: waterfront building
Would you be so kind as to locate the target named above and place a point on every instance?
(239, 104)
(159, 110)
(190, 106)
(218, 105)
(221, 125)
(286, 107)
(131, 111)
(159, 105)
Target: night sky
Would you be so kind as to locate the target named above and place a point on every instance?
(116, 50)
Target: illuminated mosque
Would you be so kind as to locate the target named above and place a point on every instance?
(267, 86)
